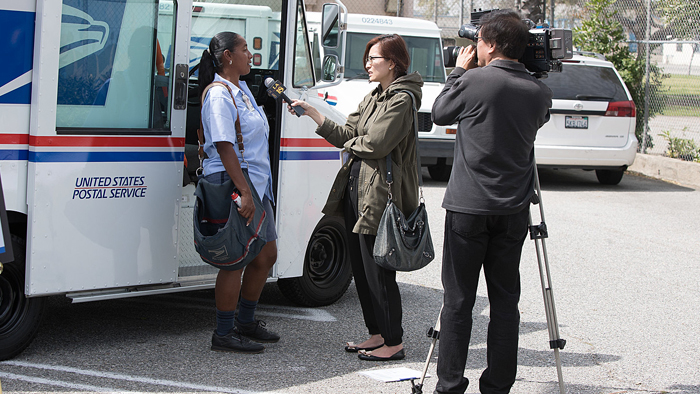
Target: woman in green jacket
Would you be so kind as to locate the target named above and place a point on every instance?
(381, 125)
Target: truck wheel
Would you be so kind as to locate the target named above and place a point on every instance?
(19, 316)
(609, 177)
(327, 272)
(440, 171)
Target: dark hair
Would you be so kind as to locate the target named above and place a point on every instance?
(506, 30)
(393, 48)
(211, 58)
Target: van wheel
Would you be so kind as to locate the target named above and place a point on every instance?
(609, 177)
(327, 272)
(440, 171)
(19, 316)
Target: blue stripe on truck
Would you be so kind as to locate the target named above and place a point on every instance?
(82, 157)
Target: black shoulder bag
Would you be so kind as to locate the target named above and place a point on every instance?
(221, 236)
(404, 244)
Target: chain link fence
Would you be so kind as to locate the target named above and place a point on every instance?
(665, 33)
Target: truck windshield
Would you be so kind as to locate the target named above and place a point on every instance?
(425, 52)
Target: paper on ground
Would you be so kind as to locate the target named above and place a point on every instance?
(392, 374)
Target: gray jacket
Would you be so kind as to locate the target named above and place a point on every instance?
(499, 108)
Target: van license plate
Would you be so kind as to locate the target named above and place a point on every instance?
(576, 122)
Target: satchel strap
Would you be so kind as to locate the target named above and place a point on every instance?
(389, 173)
(200, 132)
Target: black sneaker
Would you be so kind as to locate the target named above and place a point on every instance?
(233, 342)
(256, 331)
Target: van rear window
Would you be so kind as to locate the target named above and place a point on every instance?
(586, 83)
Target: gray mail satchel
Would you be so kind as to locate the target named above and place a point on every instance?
(221, 236)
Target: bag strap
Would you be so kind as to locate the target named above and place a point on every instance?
(200, 131)
(389, 173)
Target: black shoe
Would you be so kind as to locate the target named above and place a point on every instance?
(352, 348)
(396, 356)
(233, 342)
(256, 331)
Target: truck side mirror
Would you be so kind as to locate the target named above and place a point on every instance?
(330, 68)
(329, 26)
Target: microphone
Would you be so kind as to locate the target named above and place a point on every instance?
(276, 90)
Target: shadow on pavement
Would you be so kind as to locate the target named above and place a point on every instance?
(580, 180)
(572, 180)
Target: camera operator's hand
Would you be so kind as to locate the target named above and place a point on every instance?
(467, 57)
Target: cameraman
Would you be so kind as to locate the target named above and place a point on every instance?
(500, 107)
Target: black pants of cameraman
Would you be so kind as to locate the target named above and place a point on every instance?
(494, 242)
(376, 287)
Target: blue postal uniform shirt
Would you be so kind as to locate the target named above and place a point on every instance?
(218, 119)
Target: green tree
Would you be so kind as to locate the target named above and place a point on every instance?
(427, 8)
(682, 17)
(533, 10)
(601, 32)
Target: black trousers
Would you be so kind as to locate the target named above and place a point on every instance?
(494, 242)
(376, 287)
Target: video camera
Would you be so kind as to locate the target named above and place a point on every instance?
(545, 48)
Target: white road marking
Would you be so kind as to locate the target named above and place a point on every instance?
(312, 314)
(109, 375)
(303, 313)
(60, 383)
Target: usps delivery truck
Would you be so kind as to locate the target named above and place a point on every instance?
(94, 99)
(436, 143)
(259, 22)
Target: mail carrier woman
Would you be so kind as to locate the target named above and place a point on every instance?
(226, 59)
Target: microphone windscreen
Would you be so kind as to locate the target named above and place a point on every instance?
(269, 82)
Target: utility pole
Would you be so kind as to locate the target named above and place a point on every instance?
(436, 11)
(551, 13)
(647, 37)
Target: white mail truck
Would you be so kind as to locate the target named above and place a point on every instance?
(95, 100)
(436, 143)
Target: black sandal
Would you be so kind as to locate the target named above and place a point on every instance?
(352, 348)
(396, 356)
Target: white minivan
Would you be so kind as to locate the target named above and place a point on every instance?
(436, 143)
(593, 120)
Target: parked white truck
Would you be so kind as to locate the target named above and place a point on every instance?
(436, 143)
(95, 119)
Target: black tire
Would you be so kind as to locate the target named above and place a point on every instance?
(19, 316)
(440, 171)
(609, 177)
(327, 271)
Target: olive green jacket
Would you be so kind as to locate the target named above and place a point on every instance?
(381, 125)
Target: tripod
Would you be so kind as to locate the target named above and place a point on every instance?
(538, 233)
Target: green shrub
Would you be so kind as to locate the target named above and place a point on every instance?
(601, 32)
(681, 148)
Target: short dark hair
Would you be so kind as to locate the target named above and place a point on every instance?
(507, 31)
(393, 48)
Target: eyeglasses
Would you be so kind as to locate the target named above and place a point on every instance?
(479, 38)
(371, 59)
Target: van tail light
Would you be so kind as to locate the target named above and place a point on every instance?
(621, 108)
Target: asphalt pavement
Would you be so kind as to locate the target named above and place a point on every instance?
(626, 282)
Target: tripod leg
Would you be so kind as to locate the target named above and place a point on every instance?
(434, 334)
(538, 234)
